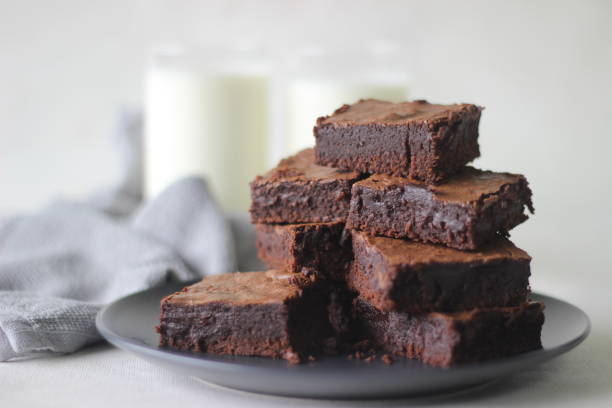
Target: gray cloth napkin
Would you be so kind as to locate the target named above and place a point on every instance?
(59, 266)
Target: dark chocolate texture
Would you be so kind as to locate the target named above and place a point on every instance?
(272, 313)
(445, 339)
(424, 141)
(401, 275)
(300, 191)
(321, 247)
(469, 210)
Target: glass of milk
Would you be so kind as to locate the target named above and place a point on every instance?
(318, 81)
(206, 115)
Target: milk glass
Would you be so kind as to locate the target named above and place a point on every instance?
(206, 115)
(318, 81)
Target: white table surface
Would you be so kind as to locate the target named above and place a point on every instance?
(102, 376)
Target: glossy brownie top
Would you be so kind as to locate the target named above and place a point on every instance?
(469, 185)
(405, 252)
(302, 167)
(242, 288)
(374, 111)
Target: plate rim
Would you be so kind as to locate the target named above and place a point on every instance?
(202, 361)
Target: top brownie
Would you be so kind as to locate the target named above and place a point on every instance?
(300, 191)
(424, 141)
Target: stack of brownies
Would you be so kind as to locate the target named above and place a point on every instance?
(380, 234)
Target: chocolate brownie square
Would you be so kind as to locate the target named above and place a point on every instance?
(424, 141)
(400, 275)
(269, 313)
(300, 191)
(469, 210)
(321, 247)
(445, 339)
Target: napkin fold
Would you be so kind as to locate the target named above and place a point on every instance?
(59, 266)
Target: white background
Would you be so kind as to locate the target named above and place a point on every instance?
(542, 69)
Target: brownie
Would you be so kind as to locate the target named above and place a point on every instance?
(470, 209)
(321, 247)
(424, 141)
(269, 313)
(444, 339)
(400, 275)
(300, 191)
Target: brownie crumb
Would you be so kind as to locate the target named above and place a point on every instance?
(292, 357)
(309, 272)
(387, 359)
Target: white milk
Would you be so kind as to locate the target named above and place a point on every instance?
(308, 99)
(207, 124)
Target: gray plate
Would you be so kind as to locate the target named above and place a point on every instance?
(129, 324)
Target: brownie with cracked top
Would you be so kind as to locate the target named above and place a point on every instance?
(300, 191)
(469, 210)
(269, 313)
(424, 141)
(401, 275)
(445, 339)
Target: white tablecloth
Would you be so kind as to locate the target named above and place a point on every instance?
(103, 376)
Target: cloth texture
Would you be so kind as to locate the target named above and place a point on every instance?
(59, 266)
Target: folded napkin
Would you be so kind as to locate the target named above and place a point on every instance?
(59, 266)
